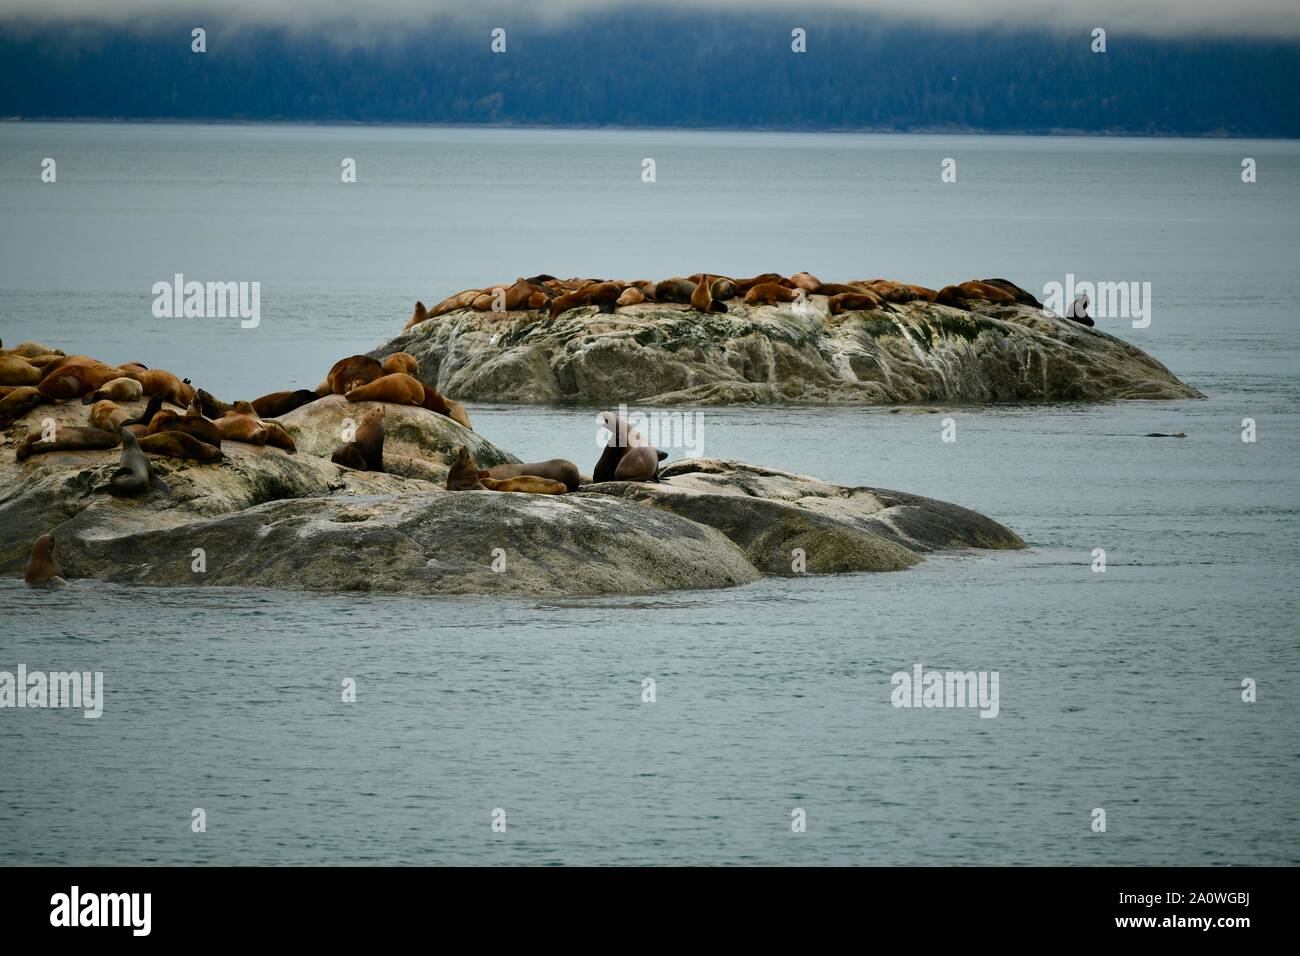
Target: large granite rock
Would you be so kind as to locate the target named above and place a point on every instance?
(770, 513)
(671, 354)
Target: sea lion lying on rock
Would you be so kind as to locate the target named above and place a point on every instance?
(556, 469)
(118, 390)
(465, 475)
(66, 438)
(366, 450)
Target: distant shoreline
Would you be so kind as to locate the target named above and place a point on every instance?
(610, 127)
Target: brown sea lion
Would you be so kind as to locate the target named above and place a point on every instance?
(806, 281)
(42, 569)
(241, 428)
(639, 463)
(702, 297)
(397, 388)
(157, 381)
(135, 476)
(108, 415)
(353, 372)
(922, 292)
(277, 437)
(603, 295)
(464, 473)
(196, 425)
(118, 390)
(527, 484)
(18, 403)
(369, 438)
(421, 314)
(401, 362)
(177, 444)
(1019, 294)
(556, 469)
(65, 360)
(210, 405)
(675, 289)
(282, 403)
(622, 440)
(890, 291)
(73, 381)
(953, 296)
(16, 370)
(854, 302)
(723, 288)
(632, 295)
(66, 438)
(150, 410)
(744, 285)
(455, 410)
(30, 350)
(975, 289)
(349, 456)
(767, 293)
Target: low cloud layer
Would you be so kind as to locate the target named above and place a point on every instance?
(1270, 18)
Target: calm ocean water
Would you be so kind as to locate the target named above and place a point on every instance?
(1118, 690)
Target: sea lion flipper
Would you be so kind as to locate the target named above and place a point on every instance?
(158, 483)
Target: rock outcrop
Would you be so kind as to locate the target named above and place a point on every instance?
(659, 353)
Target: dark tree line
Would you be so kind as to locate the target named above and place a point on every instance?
(640, 69)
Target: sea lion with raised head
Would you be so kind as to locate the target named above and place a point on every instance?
(702, 297)
(42, 569)
(369, 438)
(622, 440)
(1078, 310)
(136, 475)
(464, 472)
(66, 438)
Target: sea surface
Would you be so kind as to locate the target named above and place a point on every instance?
(1119, 690)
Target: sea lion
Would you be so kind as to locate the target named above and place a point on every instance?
(622, 440)
(455, 410)
(349, 455)
(1019, 294)
(723, 288)
(73, 381)
(397, 388)
(30, 350)
(136, 475)
(702, 297)
(108, 415)
(768, 293)
(118, 390)
(16, 370)
(65, 360)
(632, 295)
(42, 569)
(211, 406)
(975, 289)
(195, 425)
(241, 428)
(923, 292)
(421, 314)
(464, 473)
(675, 289)
(178, 444)
(369, 438)
(1165, 435)
(527, 484)
(744, 285)
(157, 381)
(18, 403)
(556, 469)
(603, 295)
(353, 372)
(889, 290)
(806, 281)
(66, 438)
(953, 296)
(282, 403)
(855, 302)
(401, 362)
(1078, 310)
(277, 437)
(150, 410)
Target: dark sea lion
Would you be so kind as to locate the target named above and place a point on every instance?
(136, 475)
(349, 455)
(806, 281)
(1078, 310)
(1020, 295)
(195, 425)
(768, 293)
(66, 438)
(1165, 435)
(556, 469)
(177, 444)
(370, 438)
(16, 370)
(150, 410)
(353, 372)
(282, 403)
(401, 362)
(744, 285)
(121, 389)
(73, 381)
(975, 289)
(639, 463)
(42, 569)
(890, 290)
(622, 440)
(397, 388)
(675, 289)
(18, 403)
(723, 288)
(603, 295)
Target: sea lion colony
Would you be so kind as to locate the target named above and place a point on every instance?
(198, 423)
(707, 292)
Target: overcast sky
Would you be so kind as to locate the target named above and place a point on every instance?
(1221, 17)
